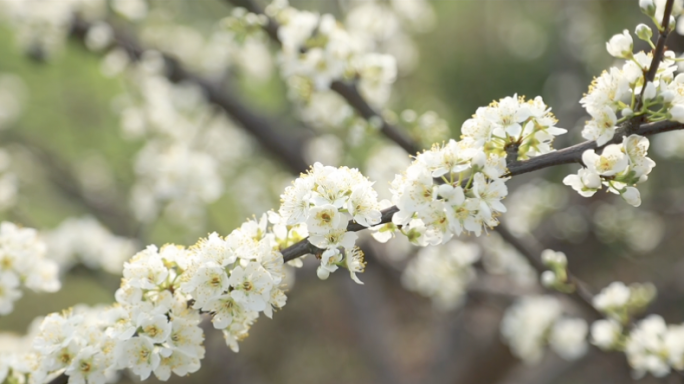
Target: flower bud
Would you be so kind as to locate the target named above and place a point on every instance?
(648, 7)
(620, 45)
(677, 113)
(552, 258)
(591, 180)
(667, 96)
(631, 196)
(650, 91)
(679, 79)
(627, 112)
(604, 333)
(322, 273)
(644, 32)
(548, 279)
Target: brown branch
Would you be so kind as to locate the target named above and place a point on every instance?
(658, 53)
(574, 153)
(568, 155)
(659, 50)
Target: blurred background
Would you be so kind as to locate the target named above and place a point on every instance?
(92, 158)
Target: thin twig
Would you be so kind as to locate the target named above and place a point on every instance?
(532, 253)
(659, 50)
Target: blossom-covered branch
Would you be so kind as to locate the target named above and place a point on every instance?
(453, 188)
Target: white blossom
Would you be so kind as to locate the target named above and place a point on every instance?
(442, 273)
(251, 286)
(23, 260)
(526, 323)
(646, 350)
(610, 162)
(568, 338)
(620, 45)
(612, 297)
(605, 333)
(586, 182)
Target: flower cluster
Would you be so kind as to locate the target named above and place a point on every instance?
(527, 125)
(653, 346)
(235, 278)
(650, 346)
(85, 240)
(442, 273)
(154, 327)
(616, 91)
(91, 344)
(459, 186)
(619, 167)
(627, 92)
(17, 357)
(23, 261)
(41, 27)
(534, 321)
(189, 145)
(620, 302)
(448, 190)
(386, 27)
(318, 50)
(325, 199)
(557, 275)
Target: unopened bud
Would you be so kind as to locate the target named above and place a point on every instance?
(648, 7)
(552, 258)
(322, 273)
(644, 32)
(677, 113)
(591, 180)
(548, 279)
(650, 91)
(620, 45)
